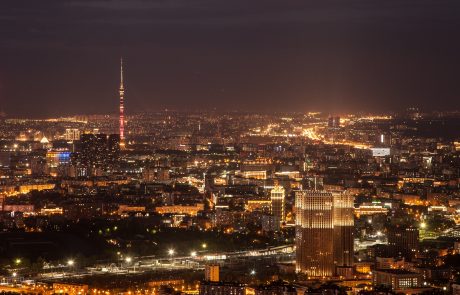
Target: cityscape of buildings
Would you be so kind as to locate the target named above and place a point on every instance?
(229, 147)
(218, 203)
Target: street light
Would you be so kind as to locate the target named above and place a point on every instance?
(70, 262)
(128, 259)
(17, 261)
(204, 246)
(171, 252)
(193, 254)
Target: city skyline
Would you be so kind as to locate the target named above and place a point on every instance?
(217, 203)
(229, 147)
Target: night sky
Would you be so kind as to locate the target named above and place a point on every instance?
(61, 57)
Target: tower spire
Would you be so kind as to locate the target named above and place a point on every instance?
(121, 73)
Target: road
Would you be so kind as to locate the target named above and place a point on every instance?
(151, 263)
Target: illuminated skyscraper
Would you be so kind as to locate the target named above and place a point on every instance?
(122, 107)
(324, 232)
(343, 221)
(277, 196)
(314, 233)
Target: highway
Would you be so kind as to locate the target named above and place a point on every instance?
(151, 263)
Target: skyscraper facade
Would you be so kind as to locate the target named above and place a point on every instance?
(403, 241)
(277, 205)
(314, 233)
(343, 221)
(98, 151)
(324, 232)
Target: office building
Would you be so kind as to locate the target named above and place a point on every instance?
(343, 222)
(333, 122)
(277, 206)
(324, 232)
(211, 273)
(314, 233)
(403, 241)
(397, 279)
(98, 151)
(72, 134)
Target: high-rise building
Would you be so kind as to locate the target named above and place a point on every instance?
(72, 134)
(211, 273)
(122, 107)
(314, 233)
(5, 157)
(270, 223)
(38, 165)
(343, 222)
(56, 162)
(113, 148)
(333, 122)
(99, 150)
(93, 149)
(277, 198)
(324, 232)
(403, 241)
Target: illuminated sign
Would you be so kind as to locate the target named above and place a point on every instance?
(380, 152)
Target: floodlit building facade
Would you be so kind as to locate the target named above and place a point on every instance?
(277, 206)
(324, 232)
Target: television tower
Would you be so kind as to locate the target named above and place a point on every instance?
(122, 107)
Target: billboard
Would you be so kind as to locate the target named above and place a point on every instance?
(380, 152)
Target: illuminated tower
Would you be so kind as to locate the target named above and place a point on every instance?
(122, 107)
(314, 233)
(277, 203)
(343, 220)
(324, 232)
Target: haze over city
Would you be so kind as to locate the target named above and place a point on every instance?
(61, 57)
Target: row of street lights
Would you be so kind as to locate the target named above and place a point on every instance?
(128, 259)
(18, 261)
(171, 253)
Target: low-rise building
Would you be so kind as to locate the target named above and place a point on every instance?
(397, 279)
(222, 288)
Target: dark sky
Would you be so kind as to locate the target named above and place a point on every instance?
(61, 57)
